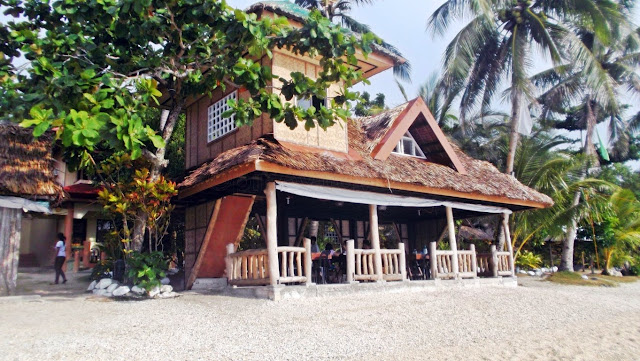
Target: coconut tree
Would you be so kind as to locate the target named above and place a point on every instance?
(572, 91)
(339, 11)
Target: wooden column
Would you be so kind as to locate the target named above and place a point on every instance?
(494, 261)
(272, 233)
(433, 260)
(231, 248)
(10, 233)
(403, 261)
(68, 232)
(507, 238)
(452, 241)
(351, 260)
(474, 260)
(307, 260)
(375, 240)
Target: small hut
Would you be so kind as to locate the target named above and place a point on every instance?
(27, 184)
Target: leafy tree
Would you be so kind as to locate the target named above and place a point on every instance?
(95, 67)
(339, 10)
(368, 107)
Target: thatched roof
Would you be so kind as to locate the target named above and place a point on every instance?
(26, 164)
(482, 179)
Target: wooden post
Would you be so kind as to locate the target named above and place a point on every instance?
(351, 260)
(307, 260)
(494, 261)
(68, 232)
(272, 233)
(507, 237)
(375, 240)
(76, 261)
(403, 261)
(433, 261)
(231, 248)
(452, 241)
(474, 261)
(10, 233)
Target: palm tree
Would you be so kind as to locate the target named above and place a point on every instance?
(339, 10)
(584, 101)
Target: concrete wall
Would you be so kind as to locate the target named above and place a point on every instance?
(38, 237)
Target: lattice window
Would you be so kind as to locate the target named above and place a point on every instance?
(408, 146)
(217, 126)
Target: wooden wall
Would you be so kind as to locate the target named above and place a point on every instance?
(196, 222)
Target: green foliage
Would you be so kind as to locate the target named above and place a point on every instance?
(112, 246)
(146, 269)
(529, 260)
(368, 107)
(101, 270)
(130, 192)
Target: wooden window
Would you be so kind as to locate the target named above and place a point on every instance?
(217, 126)
(306, 103)
(408, 146)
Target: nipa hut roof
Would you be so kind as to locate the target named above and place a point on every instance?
(26, 164)
(481, 178)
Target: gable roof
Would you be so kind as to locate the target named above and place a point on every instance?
(26, 165)
(416, 118)
(481, 182)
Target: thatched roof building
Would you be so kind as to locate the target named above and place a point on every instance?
(26, 164)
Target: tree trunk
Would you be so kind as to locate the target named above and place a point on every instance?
(566, 263)
(158, 163)
(10, 228)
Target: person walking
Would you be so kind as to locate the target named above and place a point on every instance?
(61, 256)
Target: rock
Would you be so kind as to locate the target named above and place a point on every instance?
(104, 283)
(166, 288)
(168, 295)
(585, 277)
(531, 273)
(538, 273)
(165, 281)
(112, 287)
(522, 272)
(108, 294)
(554, 269)
(173, 271)
(121, 291)
(92, 286)
(154, 292)
(137, 290)
(100, 292)
(614, 272)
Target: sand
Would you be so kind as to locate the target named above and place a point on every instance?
(537, 320)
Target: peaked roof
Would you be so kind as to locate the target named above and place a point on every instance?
(26, 165)
(413, 117)
(481, 181)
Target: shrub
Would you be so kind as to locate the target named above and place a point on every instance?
(102, 270)
(146, 269)
(528, 260)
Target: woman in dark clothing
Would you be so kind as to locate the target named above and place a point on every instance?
(60, 257)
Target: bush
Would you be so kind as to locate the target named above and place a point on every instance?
(102, 270)
(146, 269)
(528, 260)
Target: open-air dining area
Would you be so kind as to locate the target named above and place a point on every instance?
(358, 256)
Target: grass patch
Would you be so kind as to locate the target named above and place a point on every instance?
(573, 278)
(625, 279)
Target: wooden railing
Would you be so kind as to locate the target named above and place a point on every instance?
(248, 268)
(361, 264)
(394, 263)
(292, 260)
(467, 266)
(495, 264)
(443, 265)
(251, 267)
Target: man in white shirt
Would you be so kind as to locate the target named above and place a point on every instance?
(61, 256)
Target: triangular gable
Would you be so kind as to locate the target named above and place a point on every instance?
(417, 119)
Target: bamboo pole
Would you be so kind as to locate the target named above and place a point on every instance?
(452, 241)
(474, 261)
(272, 233)
(375, 239)
(307, 260)
(507, 236)
(494, 261)
(229, 262)
(433, 260)
(351, 259)
(403, 261)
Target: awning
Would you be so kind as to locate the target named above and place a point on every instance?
(25, 204)
(362, 197)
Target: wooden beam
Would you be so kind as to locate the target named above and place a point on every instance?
(205, 244)
(375, 240)
(263, 229)
(227, 175)
(300, 232)
(452, 241)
